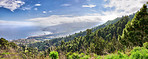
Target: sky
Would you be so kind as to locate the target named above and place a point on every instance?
(54, 12)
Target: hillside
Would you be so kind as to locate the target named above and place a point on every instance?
(45, 44)
(127, 38)
(9, 50)
(104, 38)
(134, 34)
(56, 36)
(122, 36)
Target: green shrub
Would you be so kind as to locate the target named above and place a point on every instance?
(145, 45)
(139, 53)
(119, 55)
(78, 56)
(54, 55)
(98, 57)
(6, 53)
(74, 56)
(85, 57)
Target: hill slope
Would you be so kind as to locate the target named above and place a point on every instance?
(45, 44)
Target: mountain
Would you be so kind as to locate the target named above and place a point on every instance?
(119, 36)
(62, 30)
(100, 38)
(45, 44)
(124, 39)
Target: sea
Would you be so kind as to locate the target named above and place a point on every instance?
(20, 32)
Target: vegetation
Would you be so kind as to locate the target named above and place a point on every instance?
(123, 39)
(54, 55)
(100, 42)
(57, 41)
(135, 53)
(136, 31)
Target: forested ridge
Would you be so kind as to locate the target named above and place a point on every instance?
(123, 38)
(55, 42)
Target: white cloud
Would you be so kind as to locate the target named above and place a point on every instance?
(123, 7)
(37, 5)
(44, 12)
(35, 8)
(16, 23)
(26, 8)
(89, 6)
(61, 19)
(11, 4)
(66, 5)
(49, 11)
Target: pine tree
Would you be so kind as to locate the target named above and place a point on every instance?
(135, 32)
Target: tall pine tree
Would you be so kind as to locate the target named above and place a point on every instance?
(136, 31)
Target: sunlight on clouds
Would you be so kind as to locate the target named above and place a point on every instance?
(61, 19)
(123, 7)
(11, 4)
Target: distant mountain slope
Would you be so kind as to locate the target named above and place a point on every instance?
(62, 30)
(69, 28)
(45, 44)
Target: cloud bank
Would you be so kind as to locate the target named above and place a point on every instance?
(11, 4)
(16, 23)
(120, 8)
(123, 7)
(61, 19)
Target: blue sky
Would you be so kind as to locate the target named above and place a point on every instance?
(54, 12)
(42, 8)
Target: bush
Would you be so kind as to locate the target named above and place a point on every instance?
(74, 56)
(13, 45)
(145, 45)
(78, 56)
(119, 55)
(54, 55)
(98, 57)
(3, 43)
(139, 53)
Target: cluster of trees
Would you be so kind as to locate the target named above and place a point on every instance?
(135, 53)
(100, 42)
(122, 35)
(136, 31)
(4, 44)
(112, 40)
